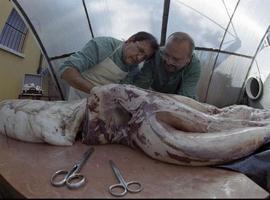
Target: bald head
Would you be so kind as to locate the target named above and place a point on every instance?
(179, 38)
(178, 51)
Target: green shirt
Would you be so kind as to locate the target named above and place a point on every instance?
(182, 82)
(94, 52)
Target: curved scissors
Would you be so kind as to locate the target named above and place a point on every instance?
(121, 188)
(72, 178)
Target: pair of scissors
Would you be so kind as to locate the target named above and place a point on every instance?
(121, 188)
(72, 178)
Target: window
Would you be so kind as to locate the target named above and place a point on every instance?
(14, 32)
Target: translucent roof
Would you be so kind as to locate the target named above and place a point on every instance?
(205, 21)
(123, 18)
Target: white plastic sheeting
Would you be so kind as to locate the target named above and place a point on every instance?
(228, 77)
(206, 21)
(207, 59)
(123, 18)
(249, 25)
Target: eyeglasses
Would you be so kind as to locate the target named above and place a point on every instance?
(141, 52)
(173, 61)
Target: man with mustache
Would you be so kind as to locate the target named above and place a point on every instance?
(105, 60)
(174, 69)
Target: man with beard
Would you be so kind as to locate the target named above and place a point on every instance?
(174, 69)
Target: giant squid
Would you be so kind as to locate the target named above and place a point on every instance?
(171, 128)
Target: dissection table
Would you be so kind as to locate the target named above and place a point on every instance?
(26, 169)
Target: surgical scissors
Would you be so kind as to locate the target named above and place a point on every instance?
(121, 188)
(72, 178)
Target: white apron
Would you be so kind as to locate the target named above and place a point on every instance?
(103, 73)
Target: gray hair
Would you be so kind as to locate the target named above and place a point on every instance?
(181, 36)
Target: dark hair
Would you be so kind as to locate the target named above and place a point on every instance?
(145, 36)
(181, 36)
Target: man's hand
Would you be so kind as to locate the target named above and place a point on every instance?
(75, 79)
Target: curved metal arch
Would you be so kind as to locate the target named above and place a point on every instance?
(44, 52)
(221, 43)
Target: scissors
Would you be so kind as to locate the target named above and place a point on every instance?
(72, 178)
(120, 189)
